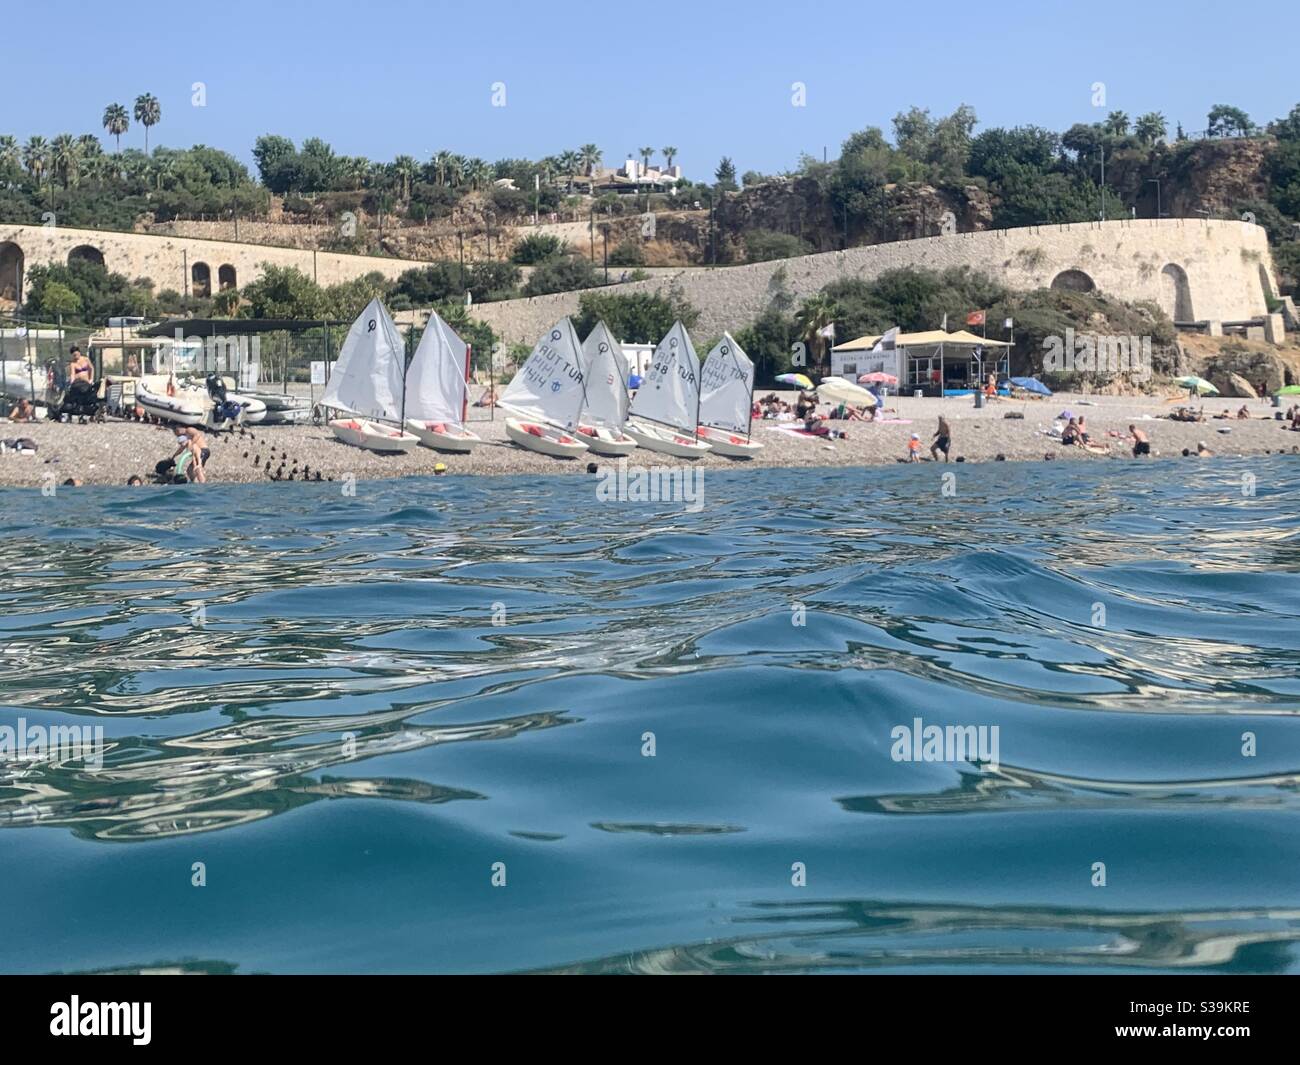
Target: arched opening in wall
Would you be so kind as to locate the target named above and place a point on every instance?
(1175, 293)
(86, 253)
(11, 272)
(200, 281)
(1073, 281)
(226, 277)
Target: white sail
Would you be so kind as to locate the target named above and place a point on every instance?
(670, 393)
(727, 387)
(367, 377)
(551, 386)
(435, 380)
(606, 367)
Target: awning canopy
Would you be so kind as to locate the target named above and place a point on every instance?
(928, 338)
(199, 327)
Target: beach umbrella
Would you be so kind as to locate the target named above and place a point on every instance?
(1288, 390)
(1199, 385)
(796, 380)
(839, 390)
(1031, 384)
(878, 378)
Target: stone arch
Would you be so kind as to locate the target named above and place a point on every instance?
(1176, 293)
(12, 262)
(1073, 281)
(86, 253)
(226, 277)
(201, 280)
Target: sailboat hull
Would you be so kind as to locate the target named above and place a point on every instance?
(666, 441)
(605, 441)
(373, 437)
(724, 442)
(544, 439)
(441, 436)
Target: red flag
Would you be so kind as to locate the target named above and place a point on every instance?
(975, 318)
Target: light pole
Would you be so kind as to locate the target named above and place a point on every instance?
(1156, 183)
(1101, 153)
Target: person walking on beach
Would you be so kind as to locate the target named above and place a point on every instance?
(942, 440)
(914, 448)
(1141, 445)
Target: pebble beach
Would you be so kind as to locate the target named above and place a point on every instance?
(108, 453)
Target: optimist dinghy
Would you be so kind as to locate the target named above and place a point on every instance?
(602, 420)
(368, 383)
(727, 401)
(547, 395)
(436, 395)
(664, 415)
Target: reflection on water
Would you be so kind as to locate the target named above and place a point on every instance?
(251, 650)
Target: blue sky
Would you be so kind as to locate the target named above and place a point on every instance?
(388, 77)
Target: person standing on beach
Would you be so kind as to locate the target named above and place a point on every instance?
(80, 368)
(1141, 445)
(942, 440)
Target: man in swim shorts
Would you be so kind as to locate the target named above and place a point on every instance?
(942, 440)
(1141, 445)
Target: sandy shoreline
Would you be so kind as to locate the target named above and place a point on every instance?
(109, 453)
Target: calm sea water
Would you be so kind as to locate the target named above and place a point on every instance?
(390, 700)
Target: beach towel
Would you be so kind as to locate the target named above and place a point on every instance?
(893, 421)
(794, 430)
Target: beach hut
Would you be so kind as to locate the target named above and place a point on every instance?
(934, 361)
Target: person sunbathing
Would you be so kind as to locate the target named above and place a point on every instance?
(488, 398)
(1243, 413)
(1070, 434)
(23, 411)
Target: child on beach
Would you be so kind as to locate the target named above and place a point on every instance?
(914, 448)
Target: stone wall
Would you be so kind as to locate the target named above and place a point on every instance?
(171, 261)
(1192, 268)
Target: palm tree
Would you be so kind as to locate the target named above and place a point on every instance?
(441, 164)
(36, 157)
(405, 166)
(815, 315)
(669, 155)
(116, 122)
(1151, 127)
(569, 162)
(479, 173)
(1117, 123)
(455, 169)
(11, 155)
(646, 153)
(590, 156)
(147, 113)
(65, 157)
